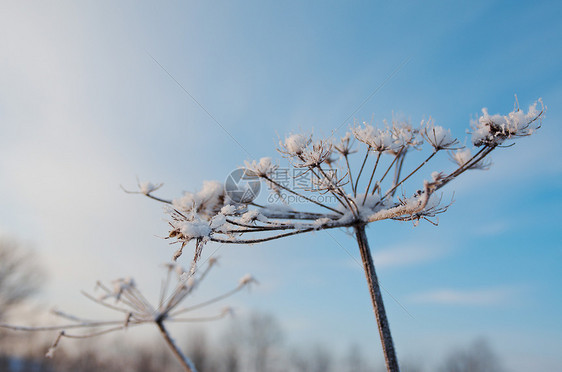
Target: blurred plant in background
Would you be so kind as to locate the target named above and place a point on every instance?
(123, 296)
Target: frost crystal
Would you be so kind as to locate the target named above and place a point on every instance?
(321, 222)
(218, 221)
(197, 228)
(228, 210)
(253, 215)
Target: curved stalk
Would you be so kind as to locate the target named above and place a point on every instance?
(376, 298)
(185, 362)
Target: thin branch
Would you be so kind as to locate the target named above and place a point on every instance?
(371, 179)
(409, 175)
(302, 196)
(388, 169)
(100, 333)
(200, 319)
(479, 156)
(361, 171)
(205, 303)
(349, 171)
(338, 190)
(398, 171)
(146, 194)
(59, 327)
(252, 241)
(297, 215)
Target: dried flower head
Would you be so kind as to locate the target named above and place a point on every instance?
(357, 196)
(493, 130)
(463, 158)
(262, 168)
(295, 144)
(437, 136)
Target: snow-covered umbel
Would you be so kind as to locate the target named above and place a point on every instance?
(314, 155)
(404, 135)
(228, 210)
(364, 133)
(262, 168)
(462, 157)
(492, 130)
(437, 136)
(295, 144)
(380, 140)
(147, 187)
(207, 202)
(342, 192)
(345, 145)
(197, 228)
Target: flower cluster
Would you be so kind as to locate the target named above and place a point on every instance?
(380, 140)
(210, 216)
(205, 203)
(439, 137)
(262, 168)
(493, 130)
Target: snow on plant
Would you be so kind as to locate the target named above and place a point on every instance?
(356, 197)
(124, 297)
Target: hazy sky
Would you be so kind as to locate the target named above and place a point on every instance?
(84, 108)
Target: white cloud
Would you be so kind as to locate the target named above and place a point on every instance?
(407, 255)
(474, 297)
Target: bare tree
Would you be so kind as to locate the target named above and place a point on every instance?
(231, 349)
(478, 357)
(338, 196)
(321, 360)
(198, 350)
(20, 275)
(263, 336)
(299, 361)
(354, 360)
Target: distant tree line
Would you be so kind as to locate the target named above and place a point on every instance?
(251, 344)
(254, 343)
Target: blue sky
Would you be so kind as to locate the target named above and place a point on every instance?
(84, 109)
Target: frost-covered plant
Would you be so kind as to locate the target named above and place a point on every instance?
(356, 198)
(124, 297)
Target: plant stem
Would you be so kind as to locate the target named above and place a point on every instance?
(361, 171)
(185, 362)
(376, 297)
